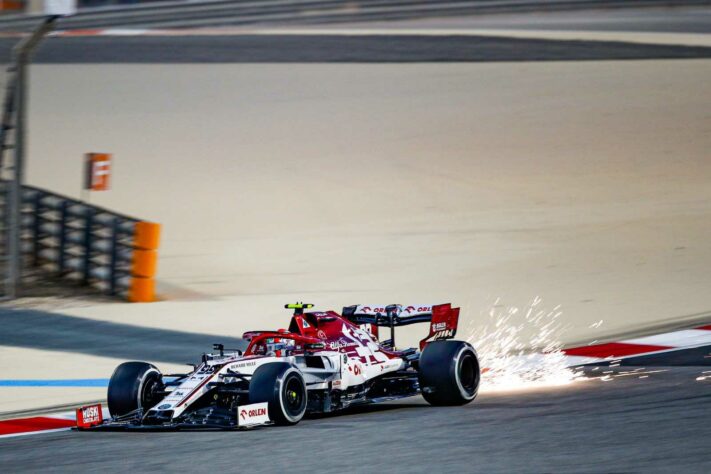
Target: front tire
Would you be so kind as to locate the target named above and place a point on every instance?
(282, 386)
(449, 373)
(134, 385)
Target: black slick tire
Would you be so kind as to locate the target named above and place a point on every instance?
(134, 385)
(449, 373)
(282, 386)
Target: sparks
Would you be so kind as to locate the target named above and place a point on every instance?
(521, 349)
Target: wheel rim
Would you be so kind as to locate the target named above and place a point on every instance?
(149, 394)
(294, 400)
(468, 373)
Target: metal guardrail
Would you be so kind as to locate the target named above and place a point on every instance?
(69, 238)
(230, 12)
(78, 241)
(88, 244)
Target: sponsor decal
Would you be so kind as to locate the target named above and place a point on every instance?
(254, 414)
(339, 344)
(357, 370)
(305, 324)
(165, 406)
(439, 326)
(410, 310)
(321, 334)
(243, 364)
(244, 413)
(444, 334)
(89, 416)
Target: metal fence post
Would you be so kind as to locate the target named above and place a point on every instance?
(88, 239)
(113, 256)
(63, 225)
(36, 228)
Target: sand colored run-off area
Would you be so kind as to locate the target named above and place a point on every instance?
(587, 184)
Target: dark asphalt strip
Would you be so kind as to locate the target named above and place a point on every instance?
(324, 49)
(589, 427)
(56, 332)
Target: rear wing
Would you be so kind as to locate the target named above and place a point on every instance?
(443, 319)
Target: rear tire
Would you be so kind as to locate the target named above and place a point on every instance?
(282, 386)
(134, 385)
(449, 373)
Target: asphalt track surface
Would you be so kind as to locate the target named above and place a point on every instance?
(31, 329)
(347, 49)
(659, 423)
(320, 49)
(668, 20)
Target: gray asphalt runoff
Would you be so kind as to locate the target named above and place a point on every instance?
(56, 332)
(323, 49)
(659, 423)
(677, 19)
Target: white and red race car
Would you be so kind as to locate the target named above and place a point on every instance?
(322, 363)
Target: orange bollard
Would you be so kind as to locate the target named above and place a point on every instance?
(143, 263)
(146, 235)
(142, 290)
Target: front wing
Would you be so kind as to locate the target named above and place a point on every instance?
(211, 418)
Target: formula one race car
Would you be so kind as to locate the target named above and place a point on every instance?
(324, 362)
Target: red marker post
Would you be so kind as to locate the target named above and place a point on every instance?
(97, 172)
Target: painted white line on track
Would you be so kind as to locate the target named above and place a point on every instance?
(670, 39)
(688, 337)
(28, 433)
